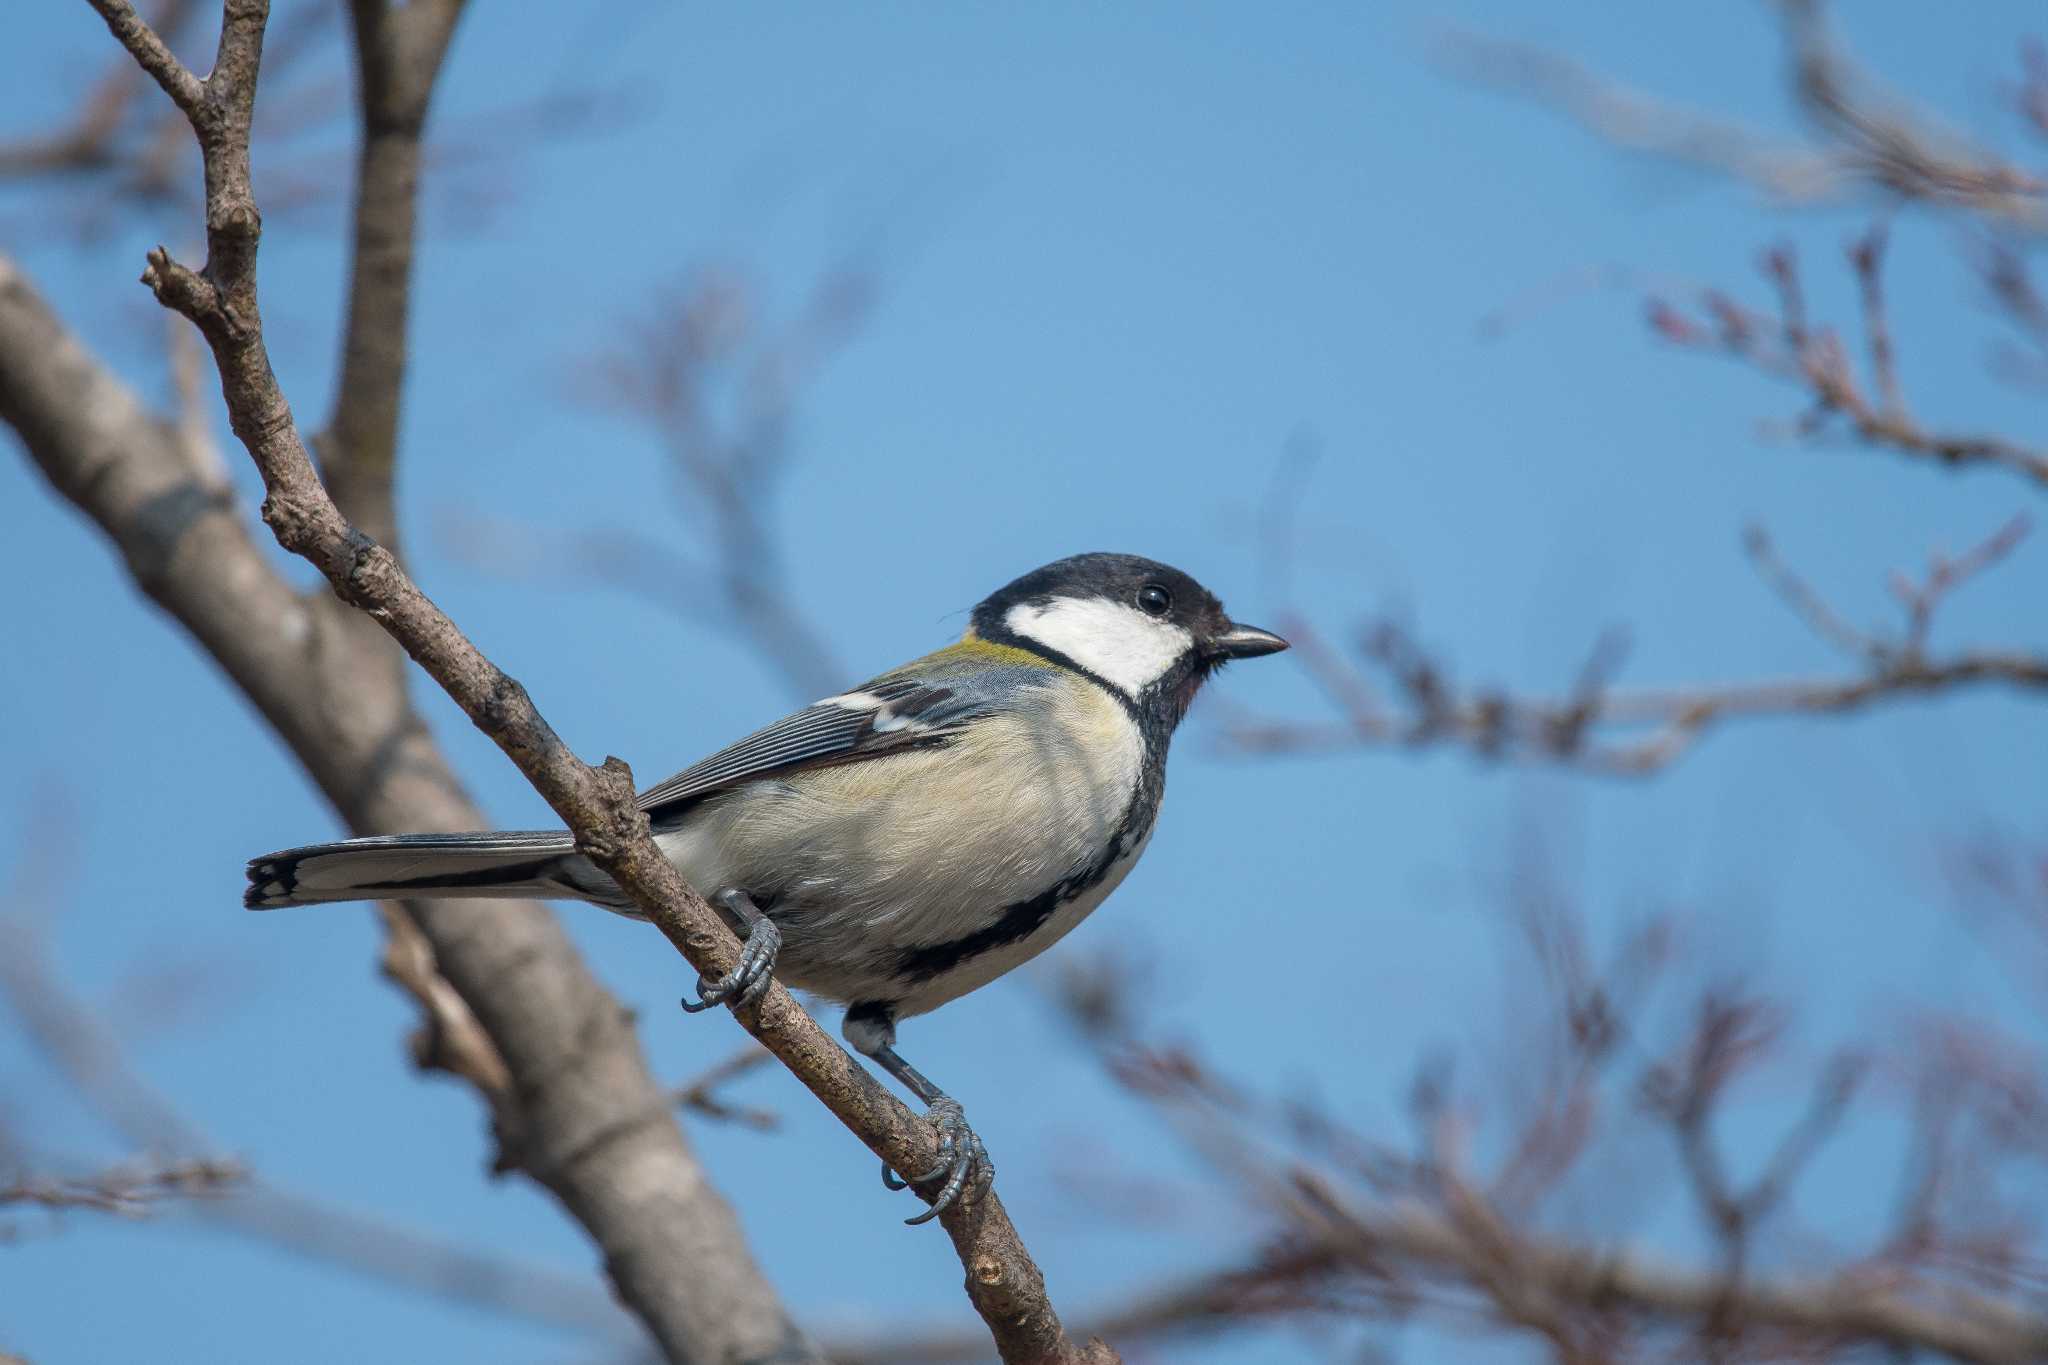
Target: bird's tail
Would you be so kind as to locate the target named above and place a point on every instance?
(539, 863)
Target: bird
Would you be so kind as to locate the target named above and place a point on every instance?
(900, 844)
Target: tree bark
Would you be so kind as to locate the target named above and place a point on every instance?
(581, 1115)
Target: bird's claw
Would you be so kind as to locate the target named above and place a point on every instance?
(962, 1159)
(748, 980)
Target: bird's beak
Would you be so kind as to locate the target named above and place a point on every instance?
(1245, 642)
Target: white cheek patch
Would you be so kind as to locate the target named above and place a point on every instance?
(1117, 642)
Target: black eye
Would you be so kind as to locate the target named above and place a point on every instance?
(1154, 600)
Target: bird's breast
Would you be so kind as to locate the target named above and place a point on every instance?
(864, 864)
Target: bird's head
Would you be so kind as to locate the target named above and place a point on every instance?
(1144, 628)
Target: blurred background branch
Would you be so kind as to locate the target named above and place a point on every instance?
(175, 1158)
(1589, 728)
(1860, 136)
(714, 382)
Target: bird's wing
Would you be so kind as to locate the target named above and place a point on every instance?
(887, 716)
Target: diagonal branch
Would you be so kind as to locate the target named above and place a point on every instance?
(525, 997)
(127, 1191)
(89, 142)
(597, 804)
(154, 56)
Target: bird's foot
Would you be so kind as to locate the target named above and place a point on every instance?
(749, 978)
(962, 1159)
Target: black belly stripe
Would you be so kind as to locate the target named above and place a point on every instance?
(1015, 924)
(1021, 920)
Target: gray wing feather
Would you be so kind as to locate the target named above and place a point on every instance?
(881, 718)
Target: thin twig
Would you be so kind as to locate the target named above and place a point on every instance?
(150, 52)
(1497, 728)
(129, 1191)
(1587, 727)
(1862, 137)
(1790, 348)
(701, 1095)
(1806, 602)
(1945, 575)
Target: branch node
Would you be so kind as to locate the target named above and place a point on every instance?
(234, 215)
(292, 519)
(181, 289)
(371, 574)
(506, 704)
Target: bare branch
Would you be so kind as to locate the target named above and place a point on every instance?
(88, 1054)
(302, 662)
(133, 32)
(718, 388)
(1497, 727)
(1862, 136)
(1945, 575)
(597, 804)
(1280, 1282)
(1789, 348)
(1398, 1256)
(450, 1038)
(1804, 600)
(701, 1094)
(1432, 1235)
(399, 51)
(1588, 727)
(88, 142)
(1893, 145)
(129, 1191)
(1866, 254)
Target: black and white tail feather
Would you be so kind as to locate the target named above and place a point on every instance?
(542, 864)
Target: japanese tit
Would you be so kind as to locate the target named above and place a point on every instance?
(903, 843)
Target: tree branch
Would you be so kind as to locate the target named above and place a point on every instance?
(597, 804)
(89, 142)
(1863, 137)
(187, 91)
(1399, 1248)
(398, 54)
(1576, 729)
(1788, 347)
(1498, 727)
(89, 1055)
(588, 1122)
(701, 1095)
(128, 1191)
(573, 1067)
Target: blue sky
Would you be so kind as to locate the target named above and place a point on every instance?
(1124, 260)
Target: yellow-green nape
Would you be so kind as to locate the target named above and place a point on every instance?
(973, 646)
